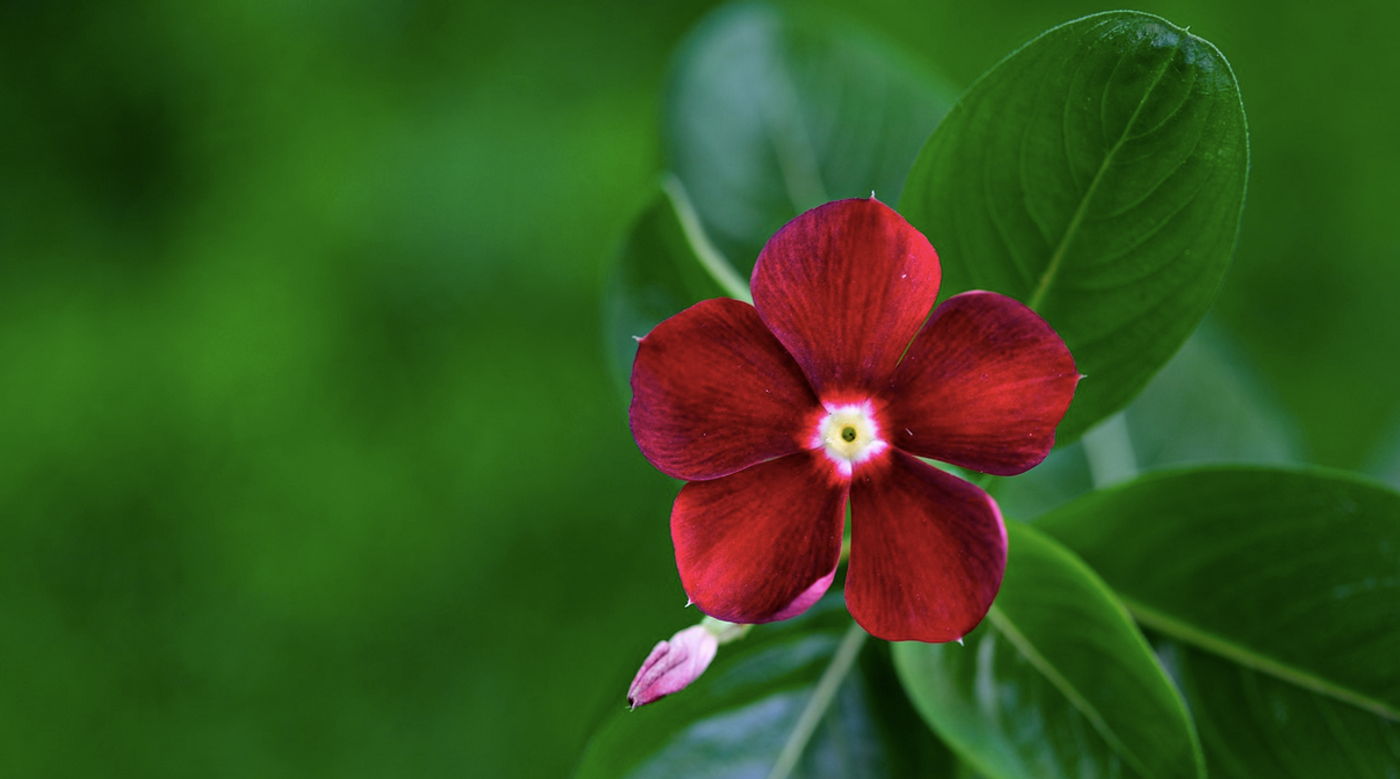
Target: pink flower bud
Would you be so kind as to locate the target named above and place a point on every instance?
(673, 665)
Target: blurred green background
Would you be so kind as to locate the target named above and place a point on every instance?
(309, 461)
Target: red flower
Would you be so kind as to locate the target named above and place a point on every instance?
(779, 413)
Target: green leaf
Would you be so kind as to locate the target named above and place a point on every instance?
(745, 716)
(1278, 592)
(666, 265)
(1097, 174)
(1253, 724)
(1057, 682)
(769, 114)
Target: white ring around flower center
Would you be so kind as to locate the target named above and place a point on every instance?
(849, 435)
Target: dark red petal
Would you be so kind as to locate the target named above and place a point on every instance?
(753, 546)
(927, 551)
(714, 392)
(983, 386)
(845, 287)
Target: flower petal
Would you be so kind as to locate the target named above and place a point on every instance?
(927, 551)
(809, 596)
(983, 386)
(713, 392)
(755, 546)
(673, 665)
(845, 287)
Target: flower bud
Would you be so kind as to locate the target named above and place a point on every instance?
(673, 665)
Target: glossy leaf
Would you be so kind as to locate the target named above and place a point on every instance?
(739, 717)
(1057, 682)
(1282, 590)
(666, 265)
(1097, 174)
(769, 114)
(1253, 724)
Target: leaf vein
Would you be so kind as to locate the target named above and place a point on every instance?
(1223, 647)
(1057, 259)
(994, 216)
(1028, 650)
(820, 701)
(792, 146)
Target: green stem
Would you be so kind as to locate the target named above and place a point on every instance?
(1109, 449)
(820, 701)
(719, 268)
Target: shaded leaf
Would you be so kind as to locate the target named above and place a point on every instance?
(1206, 406)
(769, 114)
(1097, 174)
(1384, 463)
(1057, 682)
(1282, 588)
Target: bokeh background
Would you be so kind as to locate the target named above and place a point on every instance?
(310, 463)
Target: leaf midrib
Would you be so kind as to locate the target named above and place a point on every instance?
(822, 696)
(1223, 647)
(1027, 649)
(1057, 258)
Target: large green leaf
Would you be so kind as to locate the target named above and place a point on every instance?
(1278, 592)
(748, 712)
(1097, 174)
(769, 114)
(1057, 682)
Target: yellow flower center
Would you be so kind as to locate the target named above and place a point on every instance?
(849, 435)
